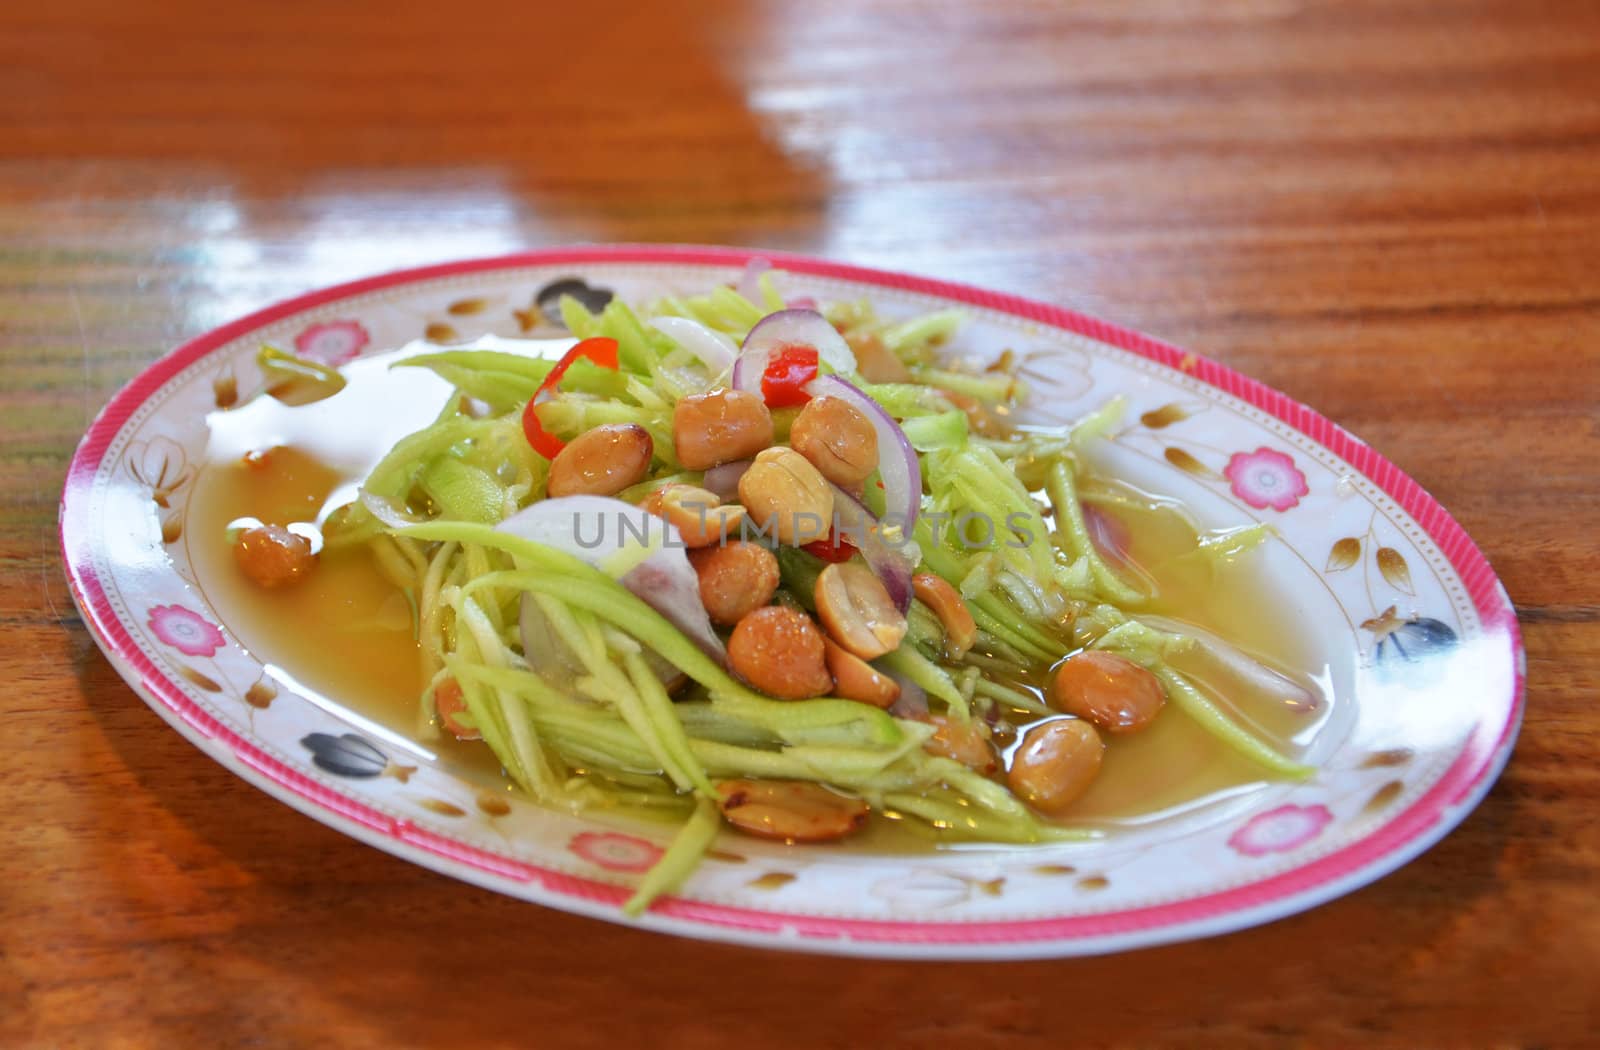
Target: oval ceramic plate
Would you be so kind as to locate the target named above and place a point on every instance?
(1404, 617)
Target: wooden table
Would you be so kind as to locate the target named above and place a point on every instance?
(1389, 210)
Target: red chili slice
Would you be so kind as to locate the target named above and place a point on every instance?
(784, 381)
(449, 702)
(599, 349)
(834, 549)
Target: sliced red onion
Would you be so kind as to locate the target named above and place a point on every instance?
(553, 658)
(789, 328)
(803, 302)
(715, 350)
(1109, 535)
(898, 467)
(387, 511)
(892, 564)
(724, 479)
(749, 284)
(605, 533)
(543, 647)
(1114, 543)
(1213, 658)
(912, 702)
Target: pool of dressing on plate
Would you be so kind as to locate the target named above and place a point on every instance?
(343, 636)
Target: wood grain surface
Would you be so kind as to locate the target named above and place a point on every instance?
(1388, 210)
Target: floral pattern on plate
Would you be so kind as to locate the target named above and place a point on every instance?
(614, 851)
(1280, 830)
(185, 630)
(1265, 478)
(332, 343)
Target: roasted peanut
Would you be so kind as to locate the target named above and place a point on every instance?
(1111, 691)
(699, 515)
(272, 556)
(855, 679)
(980, 417)
(735, 580)
(780, 652)
(837, 439)
(720, 427)
(790, 810)
(854, 606)
(1055, 764)
(602, 461)
(962, 741)
(875, 361)
(960, 632)
(786, 497)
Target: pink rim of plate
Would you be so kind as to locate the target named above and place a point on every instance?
(1427, 820)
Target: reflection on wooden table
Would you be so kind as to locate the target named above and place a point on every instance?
(1386, 209)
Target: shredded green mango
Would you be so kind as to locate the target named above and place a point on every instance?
(591, 698)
